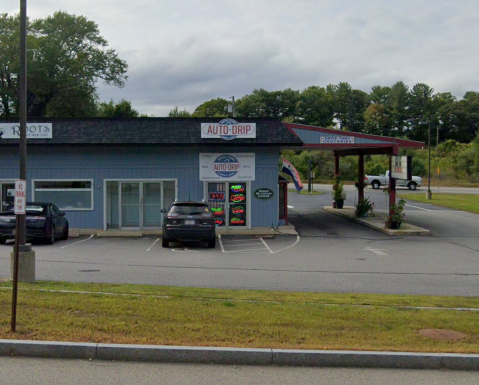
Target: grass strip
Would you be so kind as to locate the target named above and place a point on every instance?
(255, 319)
(464, 202)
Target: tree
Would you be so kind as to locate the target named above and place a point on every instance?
(122, 109)
(66, 57)
(9, 65)
(175, 113)
(420, 109)
(314, 107)
(213, 108)
(398, 104)
(376, 119)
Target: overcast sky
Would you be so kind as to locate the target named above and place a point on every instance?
(184, 52)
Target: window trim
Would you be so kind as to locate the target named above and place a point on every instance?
(92, 189)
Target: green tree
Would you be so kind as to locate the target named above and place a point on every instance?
(213, 108)
(176, 113)
(421, 109)
(314, 107)
(9, 64)
(398, 104)
(122, 109)
(376, 120)
(66, 57)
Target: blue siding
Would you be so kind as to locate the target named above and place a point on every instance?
(155, 162)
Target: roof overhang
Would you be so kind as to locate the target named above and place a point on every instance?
(348, 143)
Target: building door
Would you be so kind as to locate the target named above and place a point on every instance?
(7, 194)
(132, 205)
(229, 203)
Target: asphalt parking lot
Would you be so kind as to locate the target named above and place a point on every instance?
(331, 254)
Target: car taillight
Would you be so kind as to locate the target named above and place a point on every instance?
(173, 215)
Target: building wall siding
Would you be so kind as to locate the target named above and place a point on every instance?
(155, 162)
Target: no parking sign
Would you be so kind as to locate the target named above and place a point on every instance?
(20, 203)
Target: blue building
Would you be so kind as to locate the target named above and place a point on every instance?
(119, 174)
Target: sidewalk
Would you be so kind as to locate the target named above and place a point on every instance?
(377, 222)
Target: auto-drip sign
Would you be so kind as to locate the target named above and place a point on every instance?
(263, 193)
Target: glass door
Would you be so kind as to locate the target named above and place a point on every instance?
(237, 198)
(217, 202)
(151, 207)
(228, 201)
(130, 205)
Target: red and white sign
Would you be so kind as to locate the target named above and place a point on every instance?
(228, 129)
(20, 203)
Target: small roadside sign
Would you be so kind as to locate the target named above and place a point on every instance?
(20, 202)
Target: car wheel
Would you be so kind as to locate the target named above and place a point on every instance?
(165, 242)
(50, 235)
(375, 185)
(3, 240)
(412, 186)
(65, 232)
(212, 243)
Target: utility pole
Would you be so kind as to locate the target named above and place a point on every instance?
(233, 106)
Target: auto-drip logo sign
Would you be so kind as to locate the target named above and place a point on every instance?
(34, 130)
(237, 167)
(228, 129)
(226, 166)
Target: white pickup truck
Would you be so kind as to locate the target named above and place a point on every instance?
(377, 181)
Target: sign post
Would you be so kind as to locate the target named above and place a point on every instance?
(20, 205)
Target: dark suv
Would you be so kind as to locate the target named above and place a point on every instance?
(189, 221)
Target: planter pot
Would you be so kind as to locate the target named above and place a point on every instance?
(361, 215)
(339, 203)
(393, 225)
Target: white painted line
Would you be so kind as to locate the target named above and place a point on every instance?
(262, 240)
(236, 240)
(243, 244)
(154, 243)
(286, 248)
(244, 251)
(290, 207)
(83, 240)
(376, 251)
(420, 208)
(221, 243)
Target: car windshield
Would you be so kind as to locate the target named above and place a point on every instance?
(189, 209)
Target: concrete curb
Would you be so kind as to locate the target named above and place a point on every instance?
(376, 223)
(239, 356)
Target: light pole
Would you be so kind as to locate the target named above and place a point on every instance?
(428, 193)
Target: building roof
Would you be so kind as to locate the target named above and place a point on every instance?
(164, 131)
(187, 131)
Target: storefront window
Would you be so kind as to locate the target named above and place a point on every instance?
(66, 194)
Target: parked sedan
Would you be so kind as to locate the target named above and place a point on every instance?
(189, 221)
(45, 222)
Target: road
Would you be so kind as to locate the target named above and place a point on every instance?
(21, 371)
(332, 254)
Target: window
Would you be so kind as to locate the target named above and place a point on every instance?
(65, 194)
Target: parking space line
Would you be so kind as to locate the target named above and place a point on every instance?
(236, 240)
(154, 243)
(244, 244)
(262, 240)
(286, 248)
(221, 243)
(83, 240)
(237, 251)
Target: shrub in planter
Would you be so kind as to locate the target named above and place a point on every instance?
(364, 208)
(338, 194)
(396, 215)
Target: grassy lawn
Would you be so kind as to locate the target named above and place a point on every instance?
(138, 314)
(305, 192)
(465, 202)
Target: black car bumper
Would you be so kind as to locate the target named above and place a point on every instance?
(9, 233)
(189, 234)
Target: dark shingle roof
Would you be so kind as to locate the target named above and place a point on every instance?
(163, 131)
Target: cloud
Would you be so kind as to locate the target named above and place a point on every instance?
(190, 51)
